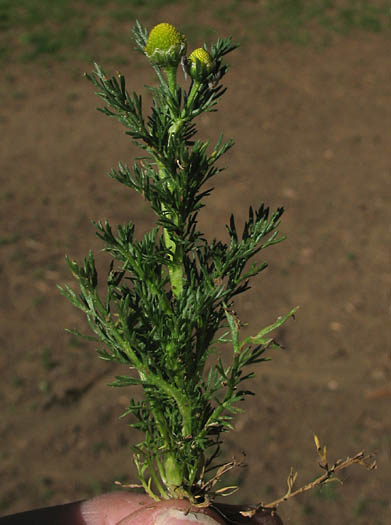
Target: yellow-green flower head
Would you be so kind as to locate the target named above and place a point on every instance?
(200, 64)
(165, 45)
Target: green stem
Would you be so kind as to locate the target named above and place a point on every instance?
(177, 122)
(155, 478)
(173, 472)
(193, 92)
(175, 269)
(181, 400)
(161, 423)
(231, 381)
(171, 78)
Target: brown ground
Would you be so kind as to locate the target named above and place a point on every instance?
(312, 133)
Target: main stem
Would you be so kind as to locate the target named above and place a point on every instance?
(175, 269)
(172, 473)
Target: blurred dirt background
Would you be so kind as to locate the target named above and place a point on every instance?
(311, 122)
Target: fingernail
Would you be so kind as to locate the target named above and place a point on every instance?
(179, 517)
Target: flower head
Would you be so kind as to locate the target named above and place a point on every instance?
(165, 45)
(199, 63)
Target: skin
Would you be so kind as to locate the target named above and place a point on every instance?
(134, 509)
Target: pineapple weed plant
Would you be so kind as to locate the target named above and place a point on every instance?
(170, 293)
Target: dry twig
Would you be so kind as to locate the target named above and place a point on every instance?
(361, 458)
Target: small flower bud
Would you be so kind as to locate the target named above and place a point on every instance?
(199, 63)
(165, 45)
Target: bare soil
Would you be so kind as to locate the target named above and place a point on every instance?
(312, 133)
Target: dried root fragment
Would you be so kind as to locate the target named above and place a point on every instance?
(366, 460)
